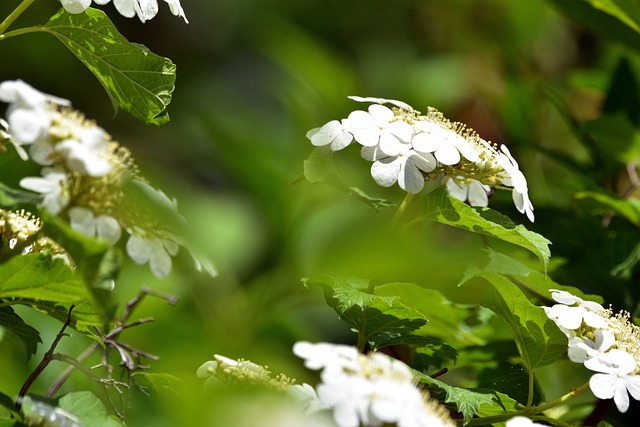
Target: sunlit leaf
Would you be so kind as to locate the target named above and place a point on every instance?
(439, 206)
(627, 11)
(608, 202)
(468, 402)
(88, 409)
(136, 80)
(378, 319)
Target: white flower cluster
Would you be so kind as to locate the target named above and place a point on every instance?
(229, 371)
(605, 343)
(144, 9)
(407, 148)
(84, 174)
(369, 390)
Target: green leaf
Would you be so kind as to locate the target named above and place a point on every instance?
(7, 403)
(377, 319)
(136, 80)
(25, 337)
(607, 202)
(627, 11)
(48, 285)
(160, 382)
(500, 404)
(532, 282)
(88, 409)
(538, 339)
(614, 137)
(623, 94)
(468, 402)
(440, 207)
(604, 24)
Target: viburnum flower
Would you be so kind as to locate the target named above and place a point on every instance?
(572, 311)
(376, 127)
(104, 227)
(369, 390)
(144, 9)
(582, 349)
(409, 148)
(475, 192)
(86, 153)
(52, 186)
(617, 378)
(336, 134)
(404, 168)
(143, 248)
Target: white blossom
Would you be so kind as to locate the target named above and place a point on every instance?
(404, 168)
(84, 154)
(377, 127)
(336, 134)
(105, 227)
(516, 180)
(445, 144)
(583, 349)
(373, 100)
(144, 9)
(143, 248)
(616, 378)
(473, 191)
(520, 421)
(51, 186)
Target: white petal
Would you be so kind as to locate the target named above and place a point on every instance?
(603, 385)
(425, 142)
(385, 171)
(409, 178)
(456, 190)
(75, 6)
(478, 194)
(390, 145)
(81, 219)
(564, 297)
(447, 154)
(401, 130)
(381, 114)
(399, 104)
(160, 262)
(364, 128)
(108, 228)
(138, 249)
(621, 396)
(126, 8)
(372, 153)
(467, 150)
(424, 161)
(27, 125)
(176, 9)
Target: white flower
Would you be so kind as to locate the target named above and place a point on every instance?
(403, 168)
(75, 6)
(320, 355)
(144, 9)
(104, 227)
(153, 250)
(516, 180)
(51, 186)
(573, 310)
(335, 133)
(520, 421)
(377, 128)
(616, 378)
(307, 397)
(445, 144)
(583, 349)
(27, 116)
(473, 191)
(5, 135)
(85, 154)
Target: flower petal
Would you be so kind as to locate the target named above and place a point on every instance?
(385, 171)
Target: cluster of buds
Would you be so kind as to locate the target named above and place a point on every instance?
(604, 342)
(241, 372)
(86, 176)
(369, 390)
(21, 233)
(408, 148)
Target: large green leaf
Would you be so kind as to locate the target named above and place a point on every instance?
(89, 410)
(137, 80)
(606, 202)
(627, 11)
(439, 206)
(14, 329)
(538, 339)
(378, 319)
(48, 285)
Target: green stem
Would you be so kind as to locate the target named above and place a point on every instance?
(14, 15)
(562, 399)
(531, 387)
(402, 208)
(19, 32)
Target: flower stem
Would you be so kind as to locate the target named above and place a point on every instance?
(402, 208)
(531, 387)
(14, 15)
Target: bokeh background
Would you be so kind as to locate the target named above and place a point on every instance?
(253, 77)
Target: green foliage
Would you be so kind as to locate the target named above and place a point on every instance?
(137, 80)
(23, 336)
(89, 409)
(440, 207)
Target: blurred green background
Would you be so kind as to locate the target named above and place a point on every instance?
(253, 77)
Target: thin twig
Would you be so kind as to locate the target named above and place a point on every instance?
(46, 359)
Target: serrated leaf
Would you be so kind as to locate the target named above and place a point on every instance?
(538, 339)
(48, 285)
(467, 402)
(440, 207)
(379, 320)
(136, 80)
(25, 337)
(88, 409)
(530, 281)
